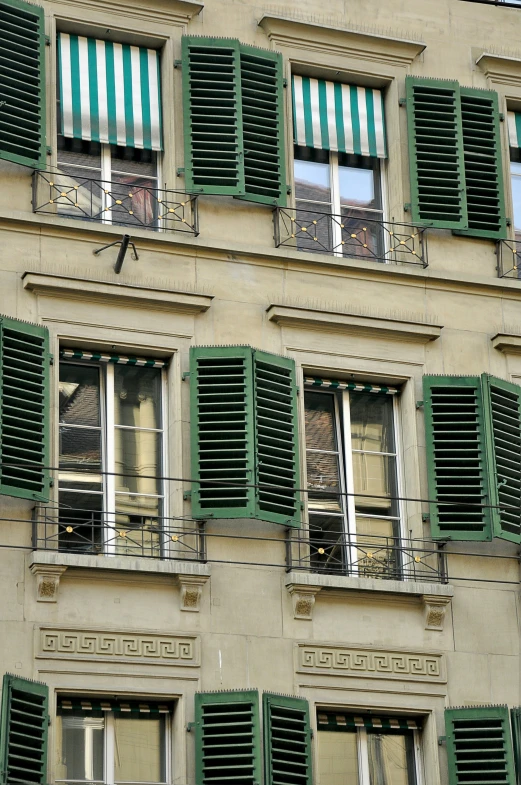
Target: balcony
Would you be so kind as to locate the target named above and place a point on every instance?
(509, 258)
(351, 236)
(114, 203)
(510, 3)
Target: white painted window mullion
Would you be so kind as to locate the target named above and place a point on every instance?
(334, 182)
(106, 177)
(349, 483)
(110, 463)
(364, 776)
(109, 748)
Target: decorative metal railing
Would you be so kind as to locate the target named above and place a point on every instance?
(509, 3)
(351, 236)
(118, 203)
(509, 258)
(366, 556)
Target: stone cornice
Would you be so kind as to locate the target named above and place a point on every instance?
(509, 343)
(178, 12)
(501, 69)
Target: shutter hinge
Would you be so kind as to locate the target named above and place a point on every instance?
(51, 359)
(297, 388)
(187, 495)
(51, 483)
(49, 150)
(47, 40)
(420, 404)
(403, 101)
(501, 117)
(178, 63)
(301, 505)
(288, 189)
(180, 171)
(284, 82)
(426, 517)
(508, 221)
(442, 740)
(185, 376)
(190, 726)
(407, 207)
(312, 733)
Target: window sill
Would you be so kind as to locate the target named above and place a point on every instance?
(48, 567)
(434, 597)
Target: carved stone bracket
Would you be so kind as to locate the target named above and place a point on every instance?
(47, 581)
(303, 600)
(191, 591)
(435, 609)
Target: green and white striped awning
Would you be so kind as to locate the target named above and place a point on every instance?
(117, 359)
(119, 706)
(514, 128)
(339, 117)
(337, 384)
(342, 721)
(109, 92)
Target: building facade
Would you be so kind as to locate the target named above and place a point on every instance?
(260, 406)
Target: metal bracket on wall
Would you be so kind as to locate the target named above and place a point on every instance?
(123, 246)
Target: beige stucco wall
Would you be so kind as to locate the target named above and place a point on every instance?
(230, 285)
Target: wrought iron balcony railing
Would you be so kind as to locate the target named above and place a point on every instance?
(122, 204)
(366, 556)
(509, 3)
(352, 235)
(509, 258)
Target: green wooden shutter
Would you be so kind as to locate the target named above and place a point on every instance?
(263, 125)
(483, 164)
(456, 458)
(503, 422)
(24, 410)
(227, 738)
(479, 746)
(214, 162)
(276, 439)
(287, 741)
(436, 153)
(24, 721)
(221, 392)
(22, 86)
(515, 718)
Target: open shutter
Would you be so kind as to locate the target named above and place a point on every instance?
(263, 125)
(227, 738)
(479, 746)
(503, 418)
(24, 410)
(436, 153)
(515, 718)
(22, 85)
(212, 111)
(276, 439)
(24, 721)
(221, 391)
(287, 741)
(456, 458)
(483, 164)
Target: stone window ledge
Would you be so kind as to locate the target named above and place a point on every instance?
(48, 567)
(434, 597)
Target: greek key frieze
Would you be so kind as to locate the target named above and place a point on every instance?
(373, 663)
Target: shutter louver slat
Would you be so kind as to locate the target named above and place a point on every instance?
(23, 732)
(24, 410)
(456, 458)
(22, 87)
(479, 746)
(287, 740)
(227, 738)
(436, 153)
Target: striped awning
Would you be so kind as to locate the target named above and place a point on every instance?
(337, 384)
(117, 359)
(341, 721)
(109, 92)
(514, 128)
(119, 706)
(339, 117)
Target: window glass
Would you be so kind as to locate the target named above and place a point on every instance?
(82, 747)
(312, 175)
(359, 181)
(371, 422)
(515, 169)
(338, 759)
(139, 753)
(323, 469)
(79, 391)
(137, 396)
(391, 759)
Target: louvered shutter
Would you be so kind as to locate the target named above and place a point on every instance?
(212, 109)
(222, 425)
(24, 721)
(276, 439)
(479, 746)
(515, 718)
(287, 741)
(503, 418)
(22, 85)
(456, 458)
(483, 165)
(436, 153)
(24, 410)
(227, 738)
(263, 126)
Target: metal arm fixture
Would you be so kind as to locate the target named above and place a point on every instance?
(123, 245)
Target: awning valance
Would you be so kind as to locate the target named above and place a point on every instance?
(337, 384)
(514, 128)
(117, 359)
(109, 92)
(118, 705)
(339, 117)
(342, 721)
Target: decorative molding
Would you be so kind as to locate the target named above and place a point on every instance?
(110, 646)
(435, 610)
(303, 598)
(501, 69)
(338, 321)
(191, 591)
(360, 44)
(509, 343)
(89, 290)
(47, 581)
(133, 564)
(370, 663)
(180, 12)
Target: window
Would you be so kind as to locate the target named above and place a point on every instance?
(347, 188)
(514, 133)
(112, 742)
(353, 480)
(368, 750)
(111, 496)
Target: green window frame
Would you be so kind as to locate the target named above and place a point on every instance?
(244, 430)
(473, 443)
(22, 88)
(479, 745)
(24, 722)
(233, 108)
(24, 410)
(455, 158)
